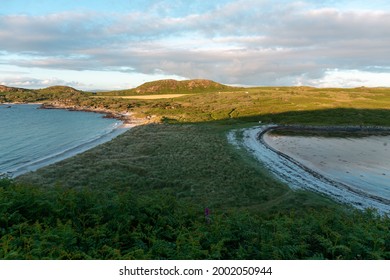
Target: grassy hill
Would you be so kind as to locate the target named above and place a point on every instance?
(173, 86)
(54, 93)
(187, 86)
(59, 90)
(4, 89)
(13, 94)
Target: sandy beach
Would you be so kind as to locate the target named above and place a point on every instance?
(359, 162)
(299, 175)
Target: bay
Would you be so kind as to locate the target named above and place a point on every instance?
(31, 137)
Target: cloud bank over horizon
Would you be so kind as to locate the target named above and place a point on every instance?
(245, 42)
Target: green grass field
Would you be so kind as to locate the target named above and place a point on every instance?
(143, 195)
(267, 104)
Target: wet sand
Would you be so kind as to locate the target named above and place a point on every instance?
(362, 163)
(300, 174)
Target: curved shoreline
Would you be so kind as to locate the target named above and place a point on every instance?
(317, 174)
(125, 117)
(127, 122)
(65, 154)
(299, 176)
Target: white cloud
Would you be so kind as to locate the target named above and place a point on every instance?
(28, 82)
(247, 41)
(347, 78)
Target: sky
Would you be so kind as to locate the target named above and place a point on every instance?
(107, 44)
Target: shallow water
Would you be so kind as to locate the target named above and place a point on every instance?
(361, 163)
(31, 138)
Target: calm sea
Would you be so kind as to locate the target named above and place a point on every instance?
(31, 137)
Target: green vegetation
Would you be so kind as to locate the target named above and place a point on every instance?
(55, 93)
(169, 86)
(210, 101)
(315, 106)
(61, 223)
(143, 195)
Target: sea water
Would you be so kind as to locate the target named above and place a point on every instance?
(31, 137)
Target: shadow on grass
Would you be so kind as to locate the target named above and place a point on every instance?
(338, 116)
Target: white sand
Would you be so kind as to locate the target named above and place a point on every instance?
(361, 163)
(300, 176)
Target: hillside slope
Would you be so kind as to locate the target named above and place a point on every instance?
(54, 93)
(59, 90)
(165, 86)
(4, 89)
(170, 86)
